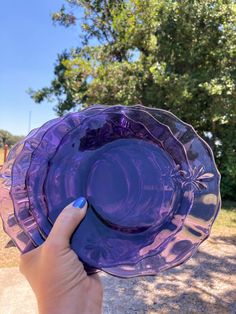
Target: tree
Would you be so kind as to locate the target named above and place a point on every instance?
(4, 136)
(9, 139)
(176, 55)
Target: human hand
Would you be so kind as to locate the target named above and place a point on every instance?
(55, 273)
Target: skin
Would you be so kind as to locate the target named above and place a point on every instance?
(57, 276)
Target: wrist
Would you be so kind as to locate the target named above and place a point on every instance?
(59, 307)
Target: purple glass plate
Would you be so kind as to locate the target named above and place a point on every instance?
(19, 167)
(18, 191)
(16, 216)
(204, 180)
(165, 140)
(49, 142)
(10, 224)
(201, 179)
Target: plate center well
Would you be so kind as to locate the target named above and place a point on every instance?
(129, 184)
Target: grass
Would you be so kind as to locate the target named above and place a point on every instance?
(225, 223)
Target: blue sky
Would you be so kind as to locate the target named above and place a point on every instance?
(29, 47)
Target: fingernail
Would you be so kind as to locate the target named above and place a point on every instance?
(80, 202)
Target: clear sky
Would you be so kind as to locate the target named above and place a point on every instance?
(29, 47)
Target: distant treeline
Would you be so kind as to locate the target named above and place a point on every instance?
(8, 138)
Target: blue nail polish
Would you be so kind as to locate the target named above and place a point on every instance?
(80, 202)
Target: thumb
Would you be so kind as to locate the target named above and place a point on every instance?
(67, 222)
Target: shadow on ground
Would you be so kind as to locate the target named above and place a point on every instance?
(205, 284)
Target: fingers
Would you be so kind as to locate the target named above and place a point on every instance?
(67, 222)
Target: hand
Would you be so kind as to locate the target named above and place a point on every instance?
(55, 273)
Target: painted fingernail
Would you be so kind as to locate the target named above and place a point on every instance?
(80, 202)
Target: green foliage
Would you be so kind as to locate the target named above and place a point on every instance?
(226, 159)
(176, 55)
(9, 139)
(63, 18)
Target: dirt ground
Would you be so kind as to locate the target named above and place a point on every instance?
(1, 156)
